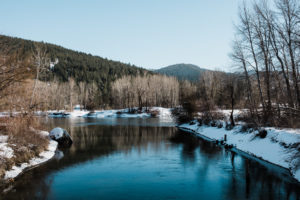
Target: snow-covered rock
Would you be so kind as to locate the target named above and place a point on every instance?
(61, 136)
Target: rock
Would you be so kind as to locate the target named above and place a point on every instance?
(220, 125)
(262, 133)
(61, 136)
(192, 123)
(228, 146)
(213, 123)
(228, 126)
(154, 113)
(200, 122)
(119, 113)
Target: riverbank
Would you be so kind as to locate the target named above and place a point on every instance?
(279, 146)
(33, 162)
(22, 146)
(160, 112)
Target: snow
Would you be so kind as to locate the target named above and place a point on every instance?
(8, 152)
(227, 113)
(52, 64)
(115, 114)
(5, 150)
(3, 114)
(43, 157)
(79, 113)
(164, 113)
(44, 133)
(57, 133)
(270, 149)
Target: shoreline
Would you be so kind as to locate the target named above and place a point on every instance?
(111, 113)
(44, 156)
(284, 157)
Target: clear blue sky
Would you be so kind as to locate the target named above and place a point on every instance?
(147, 33)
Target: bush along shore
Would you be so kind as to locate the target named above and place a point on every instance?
(22, 146)
(277, 146)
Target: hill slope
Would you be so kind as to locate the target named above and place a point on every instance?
(67, 63)
(182, 71)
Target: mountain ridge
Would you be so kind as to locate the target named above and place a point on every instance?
(182, 71)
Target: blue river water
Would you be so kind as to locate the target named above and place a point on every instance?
(147, 159)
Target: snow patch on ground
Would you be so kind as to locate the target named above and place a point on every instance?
(270, 149)
(43, 157)
(236, 112)
(115, 114)
(5, 150)
(164, 113)
(78, 113)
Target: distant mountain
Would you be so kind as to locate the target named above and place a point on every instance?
(182, 71)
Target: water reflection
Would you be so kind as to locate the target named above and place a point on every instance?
(114, 161)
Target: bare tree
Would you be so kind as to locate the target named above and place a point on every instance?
(41, 62)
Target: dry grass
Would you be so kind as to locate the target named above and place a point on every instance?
(23, 139)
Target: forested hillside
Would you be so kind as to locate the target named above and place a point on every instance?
(65, 63)
(182, 71)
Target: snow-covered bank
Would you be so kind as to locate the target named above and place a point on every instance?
(7, 152)
(163, 113)
(280, 146)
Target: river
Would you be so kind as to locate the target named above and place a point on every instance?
(147, 159)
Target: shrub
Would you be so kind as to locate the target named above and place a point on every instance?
(192, 123)
(220, 125)
(248, 127)
(213, 123)
(154, 113)
(262, 133)
(228, 126)
(181, 119)
(200, 122)
(206, 121)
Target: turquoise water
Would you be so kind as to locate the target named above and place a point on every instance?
(147, 159)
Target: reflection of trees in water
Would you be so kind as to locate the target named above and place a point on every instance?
(189, 145)
(119, 137)
(89, 142)
(258, 182)
(247, 179)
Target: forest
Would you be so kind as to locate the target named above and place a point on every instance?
(265, 57)
(61, 64)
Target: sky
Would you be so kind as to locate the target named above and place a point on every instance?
(147, 33)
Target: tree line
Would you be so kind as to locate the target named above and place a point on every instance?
(267, 49)
(68, 64)
(266, 56)
(22, 89)
(145, 91)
